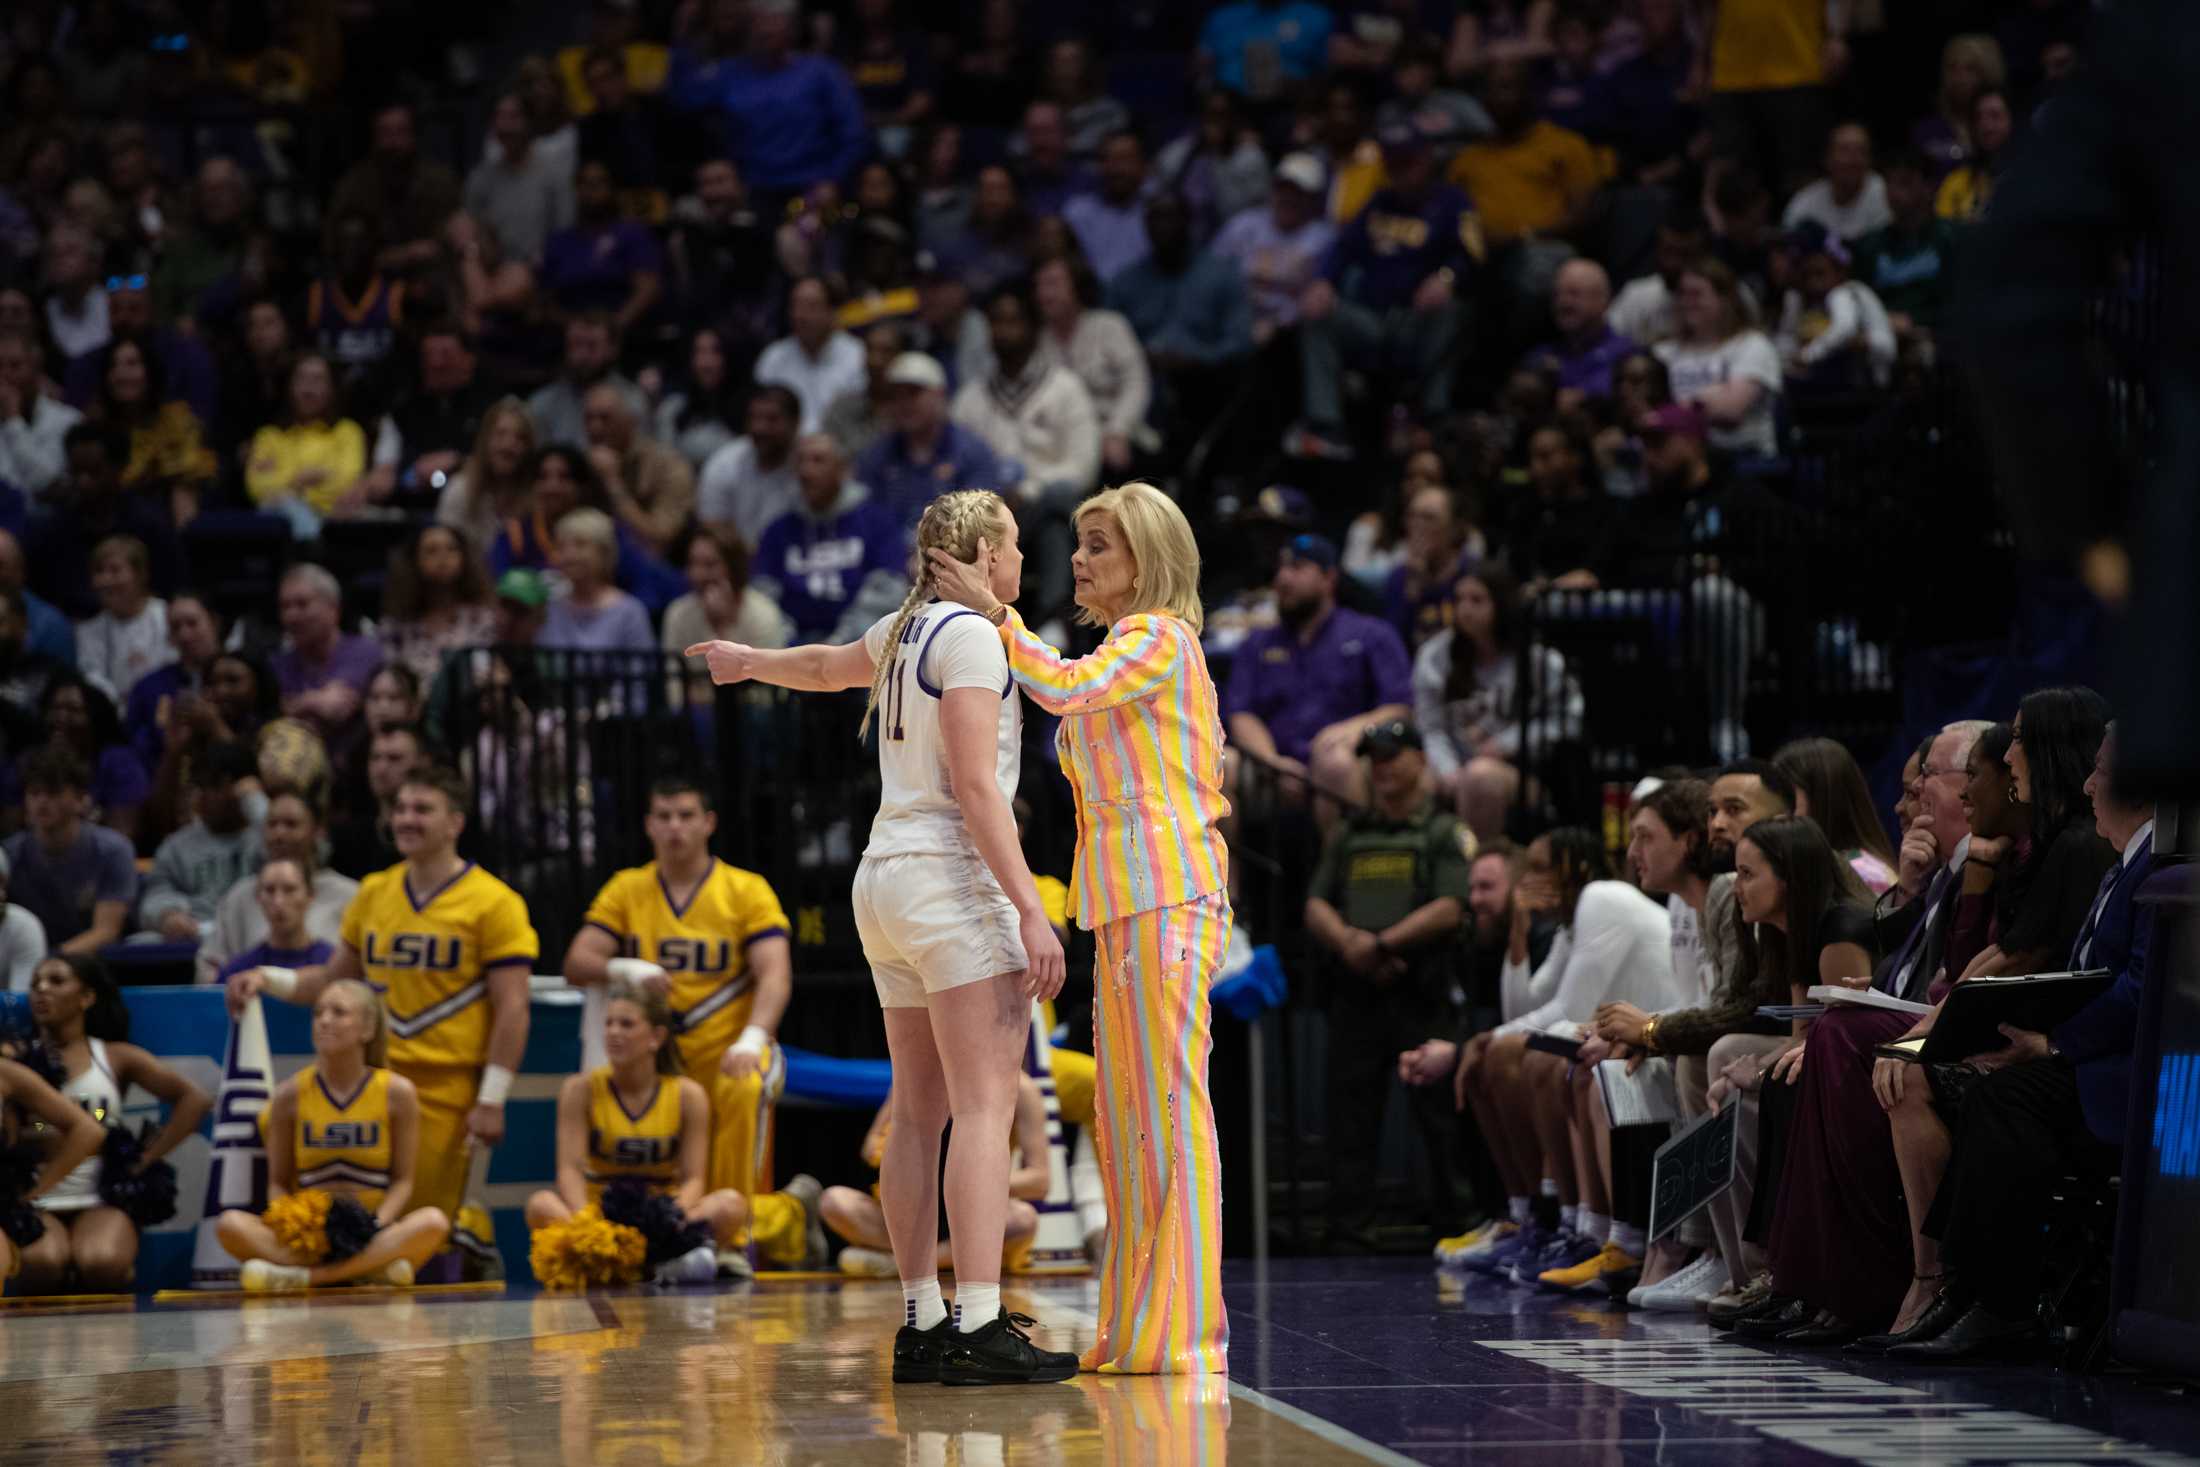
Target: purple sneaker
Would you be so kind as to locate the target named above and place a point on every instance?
(1563, 1251)
(1529, 1242)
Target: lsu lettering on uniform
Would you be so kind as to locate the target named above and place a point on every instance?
(643, 1145)
(429, 955)
(343, 1142)
(703, 946)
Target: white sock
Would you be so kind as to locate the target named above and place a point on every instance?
(922, 1307)
(1592, 1225)
(1518, 1208)
(1628, 1238)
(1567, 1217)
(976, 1306)
(1548, 1187)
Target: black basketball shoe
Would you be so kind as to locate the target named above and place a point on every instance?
(1002, 1354)
(917, 1352)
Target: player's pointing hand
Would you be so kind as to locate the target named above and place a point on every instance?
(729, 662)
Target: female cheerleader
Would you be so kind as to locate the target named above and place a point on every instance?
(640, 1117)
(81, 1021)
(952, 925)
(77, 1139)
(349, 1127)
(1141, 742)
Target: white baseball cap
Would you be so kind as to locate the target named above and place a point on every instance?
(1303, 171)
(915, 369)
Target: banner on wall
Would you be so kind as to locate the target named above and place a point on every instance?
(236, 1176)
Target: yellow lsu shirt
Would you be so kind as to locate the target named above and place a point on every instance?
(621, 1143)
(702, 945)
(342, 1142)
(429, 954)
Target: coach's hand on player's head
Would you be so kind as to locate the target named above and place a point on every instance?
(243, 987)
(729, 662)
(1043, 952)
(964, 582)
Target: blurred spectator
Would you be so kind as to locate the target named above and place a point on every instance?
(104, 62)
(1770, 64)
(1721, 364)
(1048, 175)
(816, 360)
(2040, 38)
(255, 379)
(721, 601)
(24, 670)
(750, 482)
(1388, 298)
(321, 671)
(356, 308)
(593, 614)
(1073, 82)
(794, 119)
(1301, 693)
(1640, 384)
(950, 329)
(704, 412)
(1279, 250)
(989, 78)
(1969, 65)
(1191, 311)
(490, 487)
(561, 479)
(78, 879)
(32, 425)
(1101, 348)
(1499, 31)
(591, 356)
(522, 192)
(1643, 311)
(1260, 48)
(991, 244)
(197, 865)
(1910, 264)
(169, 461)
(77, 716)
(881, 289)
(1110, 223)
(725, 261)
(496, 304)
(1559, 534)
(195, 640)
(1218, 167)
(49, 632)
(1444, 115)
(1833, 331)
(137, 191)
(1530, 180)
(636, 137)
(1417, 593)
(612, 26)
(1830, 792)
(1851, 200)
(410, 196)
(311, 467)
(1964, 192)
(1587, 348)
(650, 487)
(77, 318)
(435, 601)
(129, 636)
(187, 369)
(855, 419)
(837, 561)
(394, 694)
(523, 602)
(604, 263)
(291, 832)
(22, 939)
(1648, 102)
(891, 67)
(362, 847)
(210, 250)
(924, 453)
(1471, 706)
(1375, 542)
(424, 437)
(93, 506)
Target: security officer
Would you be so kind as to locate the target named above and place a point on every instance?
(1388, 902)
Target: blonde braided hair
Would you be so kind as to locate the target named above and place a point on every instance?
(956, 523)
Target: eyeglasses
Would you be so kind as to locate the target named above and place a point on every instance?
(127, 282)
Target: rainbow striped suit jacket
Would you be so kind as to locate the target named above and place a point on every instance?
(1141, 741)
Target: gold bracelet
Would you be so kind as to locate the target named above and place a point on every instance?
(1650, 1034)
(998, 615)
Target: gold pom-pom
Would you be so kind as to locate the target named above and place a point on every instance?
(585, 1251)
(300, 1223)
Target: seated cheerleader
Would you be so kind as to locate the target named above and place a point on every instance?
(630, 1133)
(343, 1138)
(29, 1171)
(860, 1221)
(93, 1217)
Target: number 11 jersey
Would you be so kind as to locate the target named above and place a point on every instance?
(943, 647)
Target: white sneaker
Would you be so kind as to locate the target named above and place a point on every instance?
(1687, 1291)
(733, 1263)
(262, 1277)
(868, 1263)
(399, 1274)
(696, 1266)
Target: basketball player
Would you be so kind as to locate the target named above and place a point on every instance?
(953, 928)
(712, 938)
(449, 948)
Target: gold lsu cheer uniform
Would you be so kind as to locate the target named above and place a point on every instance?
(343, 1143)
(429, 955)
(643, 1145)
(703, 947)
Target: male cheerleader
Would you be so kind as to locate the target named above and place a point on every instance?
(449, 948)
(714, 939)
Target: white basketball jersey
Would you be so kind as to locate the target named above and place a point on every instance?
(944, 646)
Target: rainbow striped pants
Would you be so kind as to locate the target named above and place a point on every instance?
(1161, 1282)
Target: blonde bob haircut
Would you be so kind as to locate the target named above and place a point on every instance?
(1160, 541)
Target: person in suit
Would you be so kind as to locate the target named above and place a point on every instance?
(2050, 1106)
